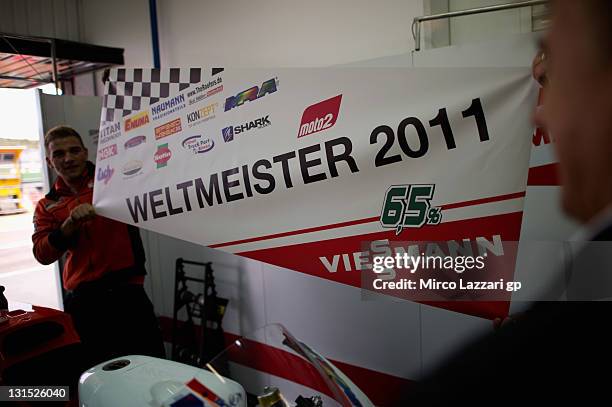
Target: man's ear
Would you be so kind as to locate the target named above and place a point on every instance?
(49, 163)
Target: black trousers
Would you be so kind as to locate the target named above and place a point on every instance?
(114, 320)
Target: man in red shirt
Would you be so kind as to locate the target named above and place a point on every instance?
(104, 265)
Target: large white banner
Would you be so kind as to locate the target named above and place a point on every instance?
(298, 167)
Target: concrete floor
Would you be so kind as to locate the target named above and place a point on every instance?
(25, 279)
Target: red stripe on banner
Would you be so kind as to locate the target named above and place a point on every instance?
(308, 258)
(499, 198)
(297, 232)
(365, 220)
(382, 388)
(544, 175)
(278, 362)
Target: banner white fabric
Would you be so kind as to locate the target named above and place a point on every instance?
(299, 167)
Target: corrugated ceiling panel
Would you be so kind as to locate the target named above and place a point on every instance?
(45, 18)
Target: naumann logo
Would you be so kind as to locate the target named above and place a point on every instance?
(320, 116)
(167, 107)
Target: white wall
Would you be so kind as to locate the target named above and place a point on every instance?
(253, 33)
(283, 33)
(123, 24)
(476, 28)
(116, 23)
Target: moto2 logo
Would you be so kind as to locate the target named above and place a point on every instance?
(320, 116)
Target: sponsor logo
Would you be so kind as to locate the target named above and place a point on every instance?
(202, 115)
(105, 174)
(169, 106)
(320, 116)
(198, 144)
(134, 141)
(251, 94)
(231, 131)
(136, 121)
(168, 129)
(93, 135)
(409, 206)
(109, 133)
(107, 152)
(206, 90)
(228, 134)
(162, 155)
(132, 168)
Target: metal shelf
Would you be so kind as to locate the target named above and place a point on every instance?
(27, 62)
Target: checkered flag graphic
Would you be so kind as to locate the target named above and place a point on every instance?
(129, 90)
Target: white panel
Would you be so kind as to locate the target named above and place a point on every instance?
(380, 334)
(164, 252)
(245, 290)
(237, 279)
(52, 111)
(83, 113)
